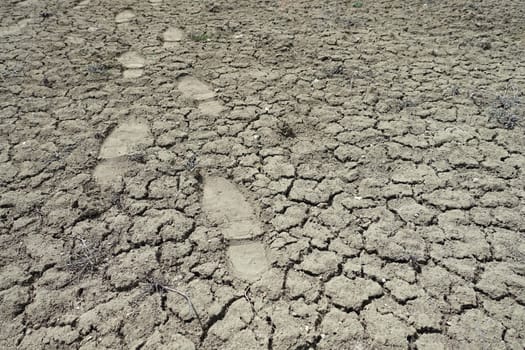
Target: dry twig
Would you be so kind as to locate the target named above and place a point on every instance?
(86, 258)
(158, 287)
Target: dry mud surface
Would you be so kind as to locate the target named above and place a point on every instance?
(262, 174)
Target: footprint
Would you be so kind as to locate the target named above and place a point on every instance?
(132, 73)
(226, 207)
(173, 34)
(248, 260)
(194, 89)
(133, 62)
(124, 16)
(125, 140)
(109, 173)
(171, 37)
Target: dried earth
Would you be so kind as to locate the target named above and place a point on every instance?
(262, 174)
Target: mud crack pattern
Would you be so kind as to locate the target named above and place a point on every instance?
(262, 175)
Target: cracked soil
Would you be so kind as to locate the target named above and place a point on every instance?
(246, 174)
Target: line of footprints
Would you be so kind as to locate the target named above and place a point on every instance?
(223, 203)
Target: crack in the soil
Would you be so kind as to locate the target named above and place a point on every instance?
(270, 323)
(216, 318)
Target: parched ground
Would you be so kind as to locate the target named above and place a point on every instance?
(179, 174)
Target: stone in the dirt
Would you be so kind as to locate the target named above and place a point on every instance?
(132, 60)
(226, 207)
(352, 294)
(248, 260)
(193, 88)
(126, 139)
(124, 16)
